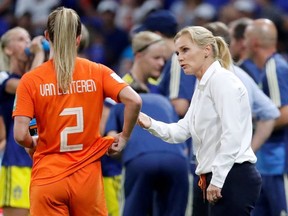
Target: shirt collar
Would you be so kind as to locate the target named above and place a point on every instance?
(209, 72)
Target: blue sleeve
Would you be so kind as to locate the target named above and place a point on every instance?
(262, 107)
(251, 69)
(175, 83)
(187, 85)
(275, 83)
(115, 119)
(163, 85)
(283, 85)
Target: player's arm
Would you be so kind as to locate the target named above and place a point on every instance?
(262, 132)
(133, 103)
(21, 132)
(282, 121)
(181, 106)
(11, 85)
(37, 49)
(2, 134)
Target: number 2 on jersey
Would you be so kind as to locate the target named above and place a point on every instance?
(64, 147)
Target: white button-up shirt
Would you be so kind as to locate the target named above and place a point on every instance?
(219, 121)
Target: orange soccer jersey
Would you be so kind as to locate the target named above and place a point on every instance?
(68, 122)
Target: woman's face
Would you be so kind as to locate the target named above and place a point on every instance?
(19, 40)
(153, 60)
(190, 56)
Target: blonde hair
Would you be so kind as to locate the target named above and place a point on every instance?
(203, 37)
(142, 40)
(64, 27)
(5, 39)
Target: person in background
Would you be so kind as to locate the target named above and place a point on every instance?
(84, 42)
(65, 95)
(147, 65)
(148, 49)
(38, 10)
(16, 163)
(152, 186)
(115, 39)
(236, 34)
(238, 49)
(220, 122)
(261, 43)
(173, 82)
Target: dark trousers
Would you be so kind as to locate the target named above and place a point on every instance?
(156, 183)
(239, 193)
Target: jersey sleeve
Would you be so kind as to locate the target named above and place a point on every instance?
(23, 104)
(112, 83)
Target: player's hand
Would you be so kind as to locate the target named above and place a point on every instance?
(36, 45)
(213, 194)
(144, 120)
(117, 146)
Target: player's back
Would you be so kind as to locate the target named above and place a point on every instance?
(68, 122)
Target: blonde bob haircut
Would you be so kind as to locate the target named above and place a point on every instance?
(142, 40)
(203, 37)
(63, 27)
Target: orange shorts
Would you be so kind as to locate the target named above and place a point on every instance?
(80, 194)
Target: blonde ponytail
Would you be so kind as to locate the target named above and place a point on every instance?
(222, 53)
(64, 27)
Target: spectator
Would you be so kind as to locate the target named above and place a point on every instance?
(39, 11)
(115, 38)
(173, 83)
(16, 164)
(238, 48)
(261, 41)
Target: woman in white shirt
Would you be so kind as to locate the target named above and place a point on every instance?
(219, 122)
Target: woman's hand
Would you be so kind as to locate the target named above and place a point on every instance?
(36, 45)
(213, 194)
(144, 120)
(118, 145)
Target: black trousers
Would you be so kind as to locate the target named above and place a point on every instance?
(239, 193)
